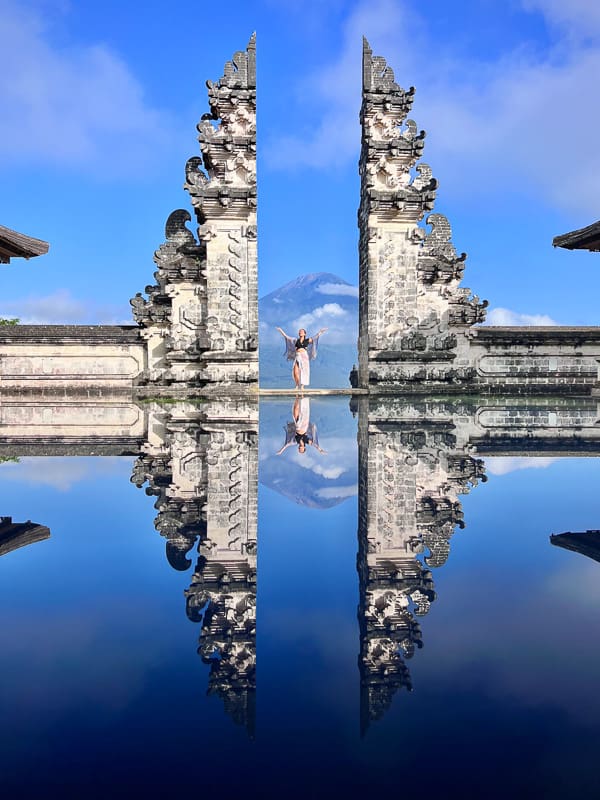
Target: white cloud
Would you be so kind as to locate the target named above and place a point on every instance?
(67, 105)
(62, 472)
(579, 17)
(60, 307)
(504, 316)
(319, 316)
(338, 288)
(492, 124)
(330, 471)
(333, 492)
(341, 324)
(339, 458)
(502, 465)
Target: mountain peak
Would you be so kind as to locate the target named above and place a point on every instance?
(314, 301)
(308, 281)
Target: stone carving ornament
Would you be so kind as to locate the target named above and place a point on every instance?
(196, 311)
(410, 304)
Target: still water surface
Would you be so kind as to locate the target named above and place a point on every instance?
(103, 692)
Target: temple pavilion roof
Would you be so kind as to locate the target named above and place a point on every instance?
(587, 543)
(17, 245)
(582, 239)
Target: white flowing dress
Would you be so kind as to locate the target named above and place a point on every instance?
(302, 425)
(302, 356)
(303, 362)
(303, 421)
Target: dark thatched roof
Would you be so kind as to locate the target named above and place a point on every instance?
(17, 245)
(20, 534)
(587, 543)
(582, 239)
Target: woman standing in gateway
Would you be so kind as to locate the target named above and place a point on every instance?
(302, 351)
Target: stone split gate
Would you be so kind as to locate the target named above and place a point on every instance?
(197, 325)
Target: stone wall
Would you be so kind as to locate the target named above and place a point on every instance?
(491, 425)
(46, 358)
(535, 359)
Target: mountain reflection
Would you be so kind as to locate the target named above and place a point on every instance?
(321, 472)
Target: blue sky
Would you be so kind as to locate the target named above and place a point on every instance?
(100, 103)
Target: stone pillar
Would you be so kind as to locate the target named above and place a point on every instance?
(222, 593)
(222, 187)
(200, 320)
(412, 313)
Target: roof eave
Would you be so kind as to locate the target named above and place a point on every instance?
(582, 239)
(17, 245)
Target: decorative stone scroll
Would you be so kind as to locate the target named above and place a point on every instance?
(200, 320)
(413, 316)
(412, 470)
(201, 463)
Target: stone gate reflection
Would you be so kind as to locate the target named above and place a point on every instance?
(416, 458)
(412, 470)
(200, 461)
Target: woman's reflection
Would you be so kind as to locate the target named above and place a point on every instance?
(301, 430)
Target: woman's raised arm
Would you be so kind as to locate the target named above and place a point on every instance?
(316, 336)
(285, 447)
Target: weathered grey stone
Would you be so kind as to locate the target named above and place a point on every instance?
(52, 358)
(201, 317)
(411, 306)
(416, 323)
(417, 456)
(201, 463)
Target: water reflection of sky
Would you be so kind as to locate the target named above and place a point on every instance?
(312, 478)
(508, 670)
(102, 688)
